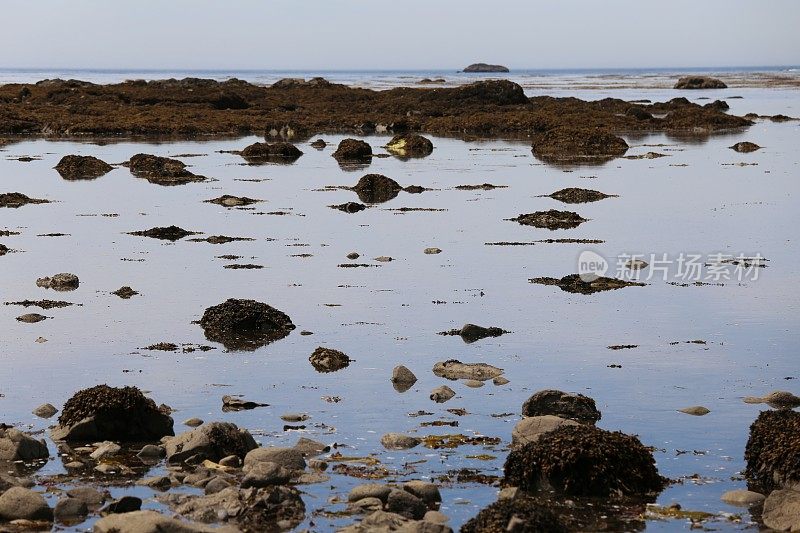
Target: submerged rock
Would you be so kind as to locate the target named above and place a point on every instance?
(575, 284)
(575, 145)
(16, 199)
(161, 170)
(575, 195)
(245, 324)
(399, 441)
(329, 360)
(562, 404)
(16, 445)
(773, 451)
(552, 219)
(82, 167)
(353, 151)
(376, 188)
(226, 200)
(169, 233)
(212, 441)
(583, 460)
(745, 147)
(699, 82)
(111, 413)
(778, 399)
(484, 67)
(442, 394)
(410, 145)
(696, 410)
(454, 369)
(281, 152)
(59, 282)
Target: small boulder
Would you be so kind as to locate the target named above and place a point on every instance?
(576, 145)
(70, 511)
(376, 188)
(454, 369)
(743, 498)
(161, 170)
(245, 324)
(369, 490)
(16, 445)
(402, 378)
(745, 147)
(266, 474)
(405, 504)
(442, 394)
(82, 167)
(410, 145)
(399, 441)
(19, 503)
(289, 458)
(281, 152)
(329, 360)
(212, 441)
(59, 282)
(353, 151)
(425, 491)
(773, 451)
(781, 510)
(562, 404)
(552, 219)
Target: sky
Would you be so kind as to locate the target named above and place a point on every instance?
(390, 35)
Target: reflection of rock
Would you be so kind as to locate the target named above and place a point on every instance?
(552, 219)
(328, 360)
(82, 167)
(245, 324)
(574, 284)
(281, 152)
(111, 413)
(700, 82)
(16, 445)
(578, 145)
(376, 188)
(213, 441)
(410, 145)
(161, 170)
(403, 378)
(562, 404)
(353, 150)
(773, 451)
(454, 370)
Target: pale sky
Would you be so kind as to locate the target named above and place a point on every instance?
(400, 34)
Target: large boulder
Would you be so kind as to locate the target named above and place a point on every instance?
(407, 145)
(583, 460)
(112, 413)
(18, 503)
(782, 510)
(153, 522)
(562, 404)
(281, 152)
(577, 145)
(213, 441)
(376, 188)
(245, 324)
(161, 170)
(773, 451)
(700, 82)
(82, 167)
(16, 445)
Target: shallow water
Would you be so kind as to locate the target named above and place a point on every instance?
(389, 314)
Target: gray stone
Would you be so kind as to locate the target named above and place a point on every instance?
(93, 498)
(530, 429)
(457, 370)
(70, 510)
(211, 441)
(365, 505)
(401, 374)
(193, 422)
(782, 510)
(436, 517)
(442, 394)
(151, 452)
(265, 474)
(288, 458)
(153, 522)
(696, 410)
(742, 497)
(105, 449)
(18, 446)
(425, 491)
(217, 484)
(231, 461)
(500, 380)
(369, 490)
(398, 441)
(405, 504)
(19, 503)
(45, 410)
(156, 482)
(311, 448)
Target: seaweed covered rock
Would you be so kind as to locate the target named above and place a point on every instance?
(700, 82)
(773, 451)
(227, 200)
(575, 284)
(410, 145)
(454, 369)
(484, 67)
(562, 404)
(470, 333)
(82, 167)
(349, 207)
(161, 170)
(583, 460)
(59, 282)
(328, 360)
(577, 145)
(376, 188)
(281, 152)
(213, 441)
(245, 324)
(552, 219)
(575, 195)
(491, 92)
(745, 147)
(17, 199)
(353, 151)
(16, 445)
(111, 413)
(168, 233)
(519, 515)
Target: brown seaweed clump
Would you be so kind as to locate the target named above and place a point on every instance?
(112, 413)
(773, 450)
(245, 324)
(353, 151)
(552, 219)
(168, 233)
(376, 188)
(520, 515)
(575, 284)
(745, 147)
(281, 152)
(575, 195)
(161, 170)
(700, 82)
(82, 167)
(329, 360)
(562, 404)
(585, 461)
(17, 199)
(578, 145)
(407, 145)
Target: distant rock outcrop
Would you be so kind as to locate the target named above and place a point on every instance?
(484, 67)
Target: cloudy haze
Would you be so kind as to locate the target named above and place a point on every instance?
(408, 34)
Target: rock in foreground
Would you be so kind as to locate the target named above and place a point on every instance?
(773, 451)
(515, 514)
(153, 522)
(16, 445)
(245, 324)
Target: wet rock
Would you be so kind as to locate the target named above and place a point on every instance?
(121, 414)
(226, 200)
(82, 167)
(699, 82)
(126, 504)
(403, 378)
(104, 450)
(562, 404)
(329, 360)
(454, 369)
(365, 505)
(245, 324)
(405, 504)
(212, 441)
(233, 403)
(432, 251)
(18, 503)
(696, 410)
(376, 189)
(156, 482)
(782, 510)
(442, 394)
(577, 145)
(151, 453)
(575, 284)
(583, 460)
(745, 147)
(70, 511)
(216, 485)
(16, 445)
(193, 422)
(744, 498)
(407, 145)
(500, 380)
(518, 515)
(44, 304)
(778, 399)
(353, 256)
(484, 67)
(4, 250)
(427, 492)
(529, 429)
(125, 292)
(31, 318)
(383, 521)
(575, 195)
(221, 239)
(289, 458)
(384, 259)
(349, 207)
(45, 410)
(168, 233)
(266, 474)
(92, 497)
(552, 219)
(399, 441)
(152, 522)
(773, 451)
(310, 448)
(470, 332)
(161, 170)
(369, 490)
(59, 282)
(353, 151)
(319, 144)
(16, 199)
(281, 152)
(636, 264)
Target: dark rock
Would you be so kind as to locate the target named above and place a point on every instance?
(562, 404)
(59, 282)
(319, 144)
(517, 515)
(126, 504)
(585, 461)
(31, 318)
(18, 503)
(376, 188)
(745, 147)
(226, 200)
(125, 292)
(281, 152)
(82, 167)
(719, 105)
(405, 504)
(700, 82)
(552, 219)
(577, 145)
(245, 324)
(111, 413)
(161, 170)
(45, 410)
(226, 100)
(773, 451)
(454, 369)
(638, 113)
(169, 233)
(329, 360)
(16, 445)
(410, 145)
(483, 67)
(349, 207)
(213, 441)
(232, 403)
(16, 199)
(353, 150)
(70, 511)
(574, 195)
(470, 333)
(575, 284)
